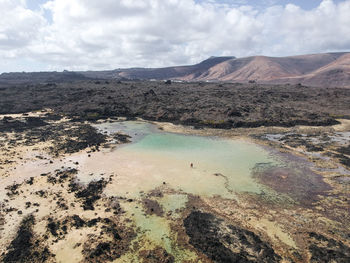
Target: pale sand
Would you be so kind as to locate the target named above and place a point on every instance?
(344, 126)
(38, 113)
(137, 172)
(133, 173)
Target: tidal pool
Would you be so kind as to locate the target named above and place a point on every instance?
(221, 167)
(154, 158)
(155, 166)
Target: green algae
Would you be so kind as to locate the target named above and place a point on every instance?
(153, 231)
(173, 202)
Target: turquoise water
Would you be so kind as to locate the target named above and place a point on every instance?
(221, 166)
(161, 160)
(136, 129)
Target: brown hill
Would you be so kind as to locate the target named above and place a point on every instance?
(336, 73)
(330, 69)
(172, 72)
(315, 70)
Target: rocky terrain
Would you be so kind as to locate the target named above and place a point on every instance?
(198, 104)
(39, 77)
(49, 214)
(53, 217)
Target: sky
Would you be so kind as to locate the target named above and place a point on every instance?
(47, 35)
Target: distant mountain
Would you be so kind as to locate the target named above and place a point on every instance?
(331, 69)
(328, 69)
(191, 72)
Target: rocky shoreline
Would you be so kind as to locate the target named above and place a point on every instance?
(78, 221)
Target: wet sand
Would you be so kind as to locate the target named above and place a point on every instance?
(133, 177)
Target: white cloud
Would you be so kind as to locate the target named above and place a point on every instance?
(18, 25)
(85, 34)
(295, 31)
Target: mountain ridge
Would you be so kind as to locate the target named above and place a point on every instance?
(323, 69)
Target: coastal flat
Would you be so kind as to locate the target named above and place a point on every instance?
(99, 171)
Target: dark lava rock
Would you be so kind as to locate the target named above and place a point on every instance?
(112, 242)
(77, 221)
(157, 255)
(52, 180)
(101, 248)
(121, 138)
(41, 193)
(152, 207)
(63, 175)
(66, 137)
(91, 193)
(53, 227)
(80, 138)
(344, 160)
(226, 243)
(13, 189)
(11, 125)
(344, 150)
(93, 222)
(313, 148)
(30, 181)
(207, 104)
(324, 250)
(24, 248)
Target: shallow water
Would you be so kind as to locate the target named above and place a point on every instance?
(154, 231)
(171, 203)
(221, 166)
